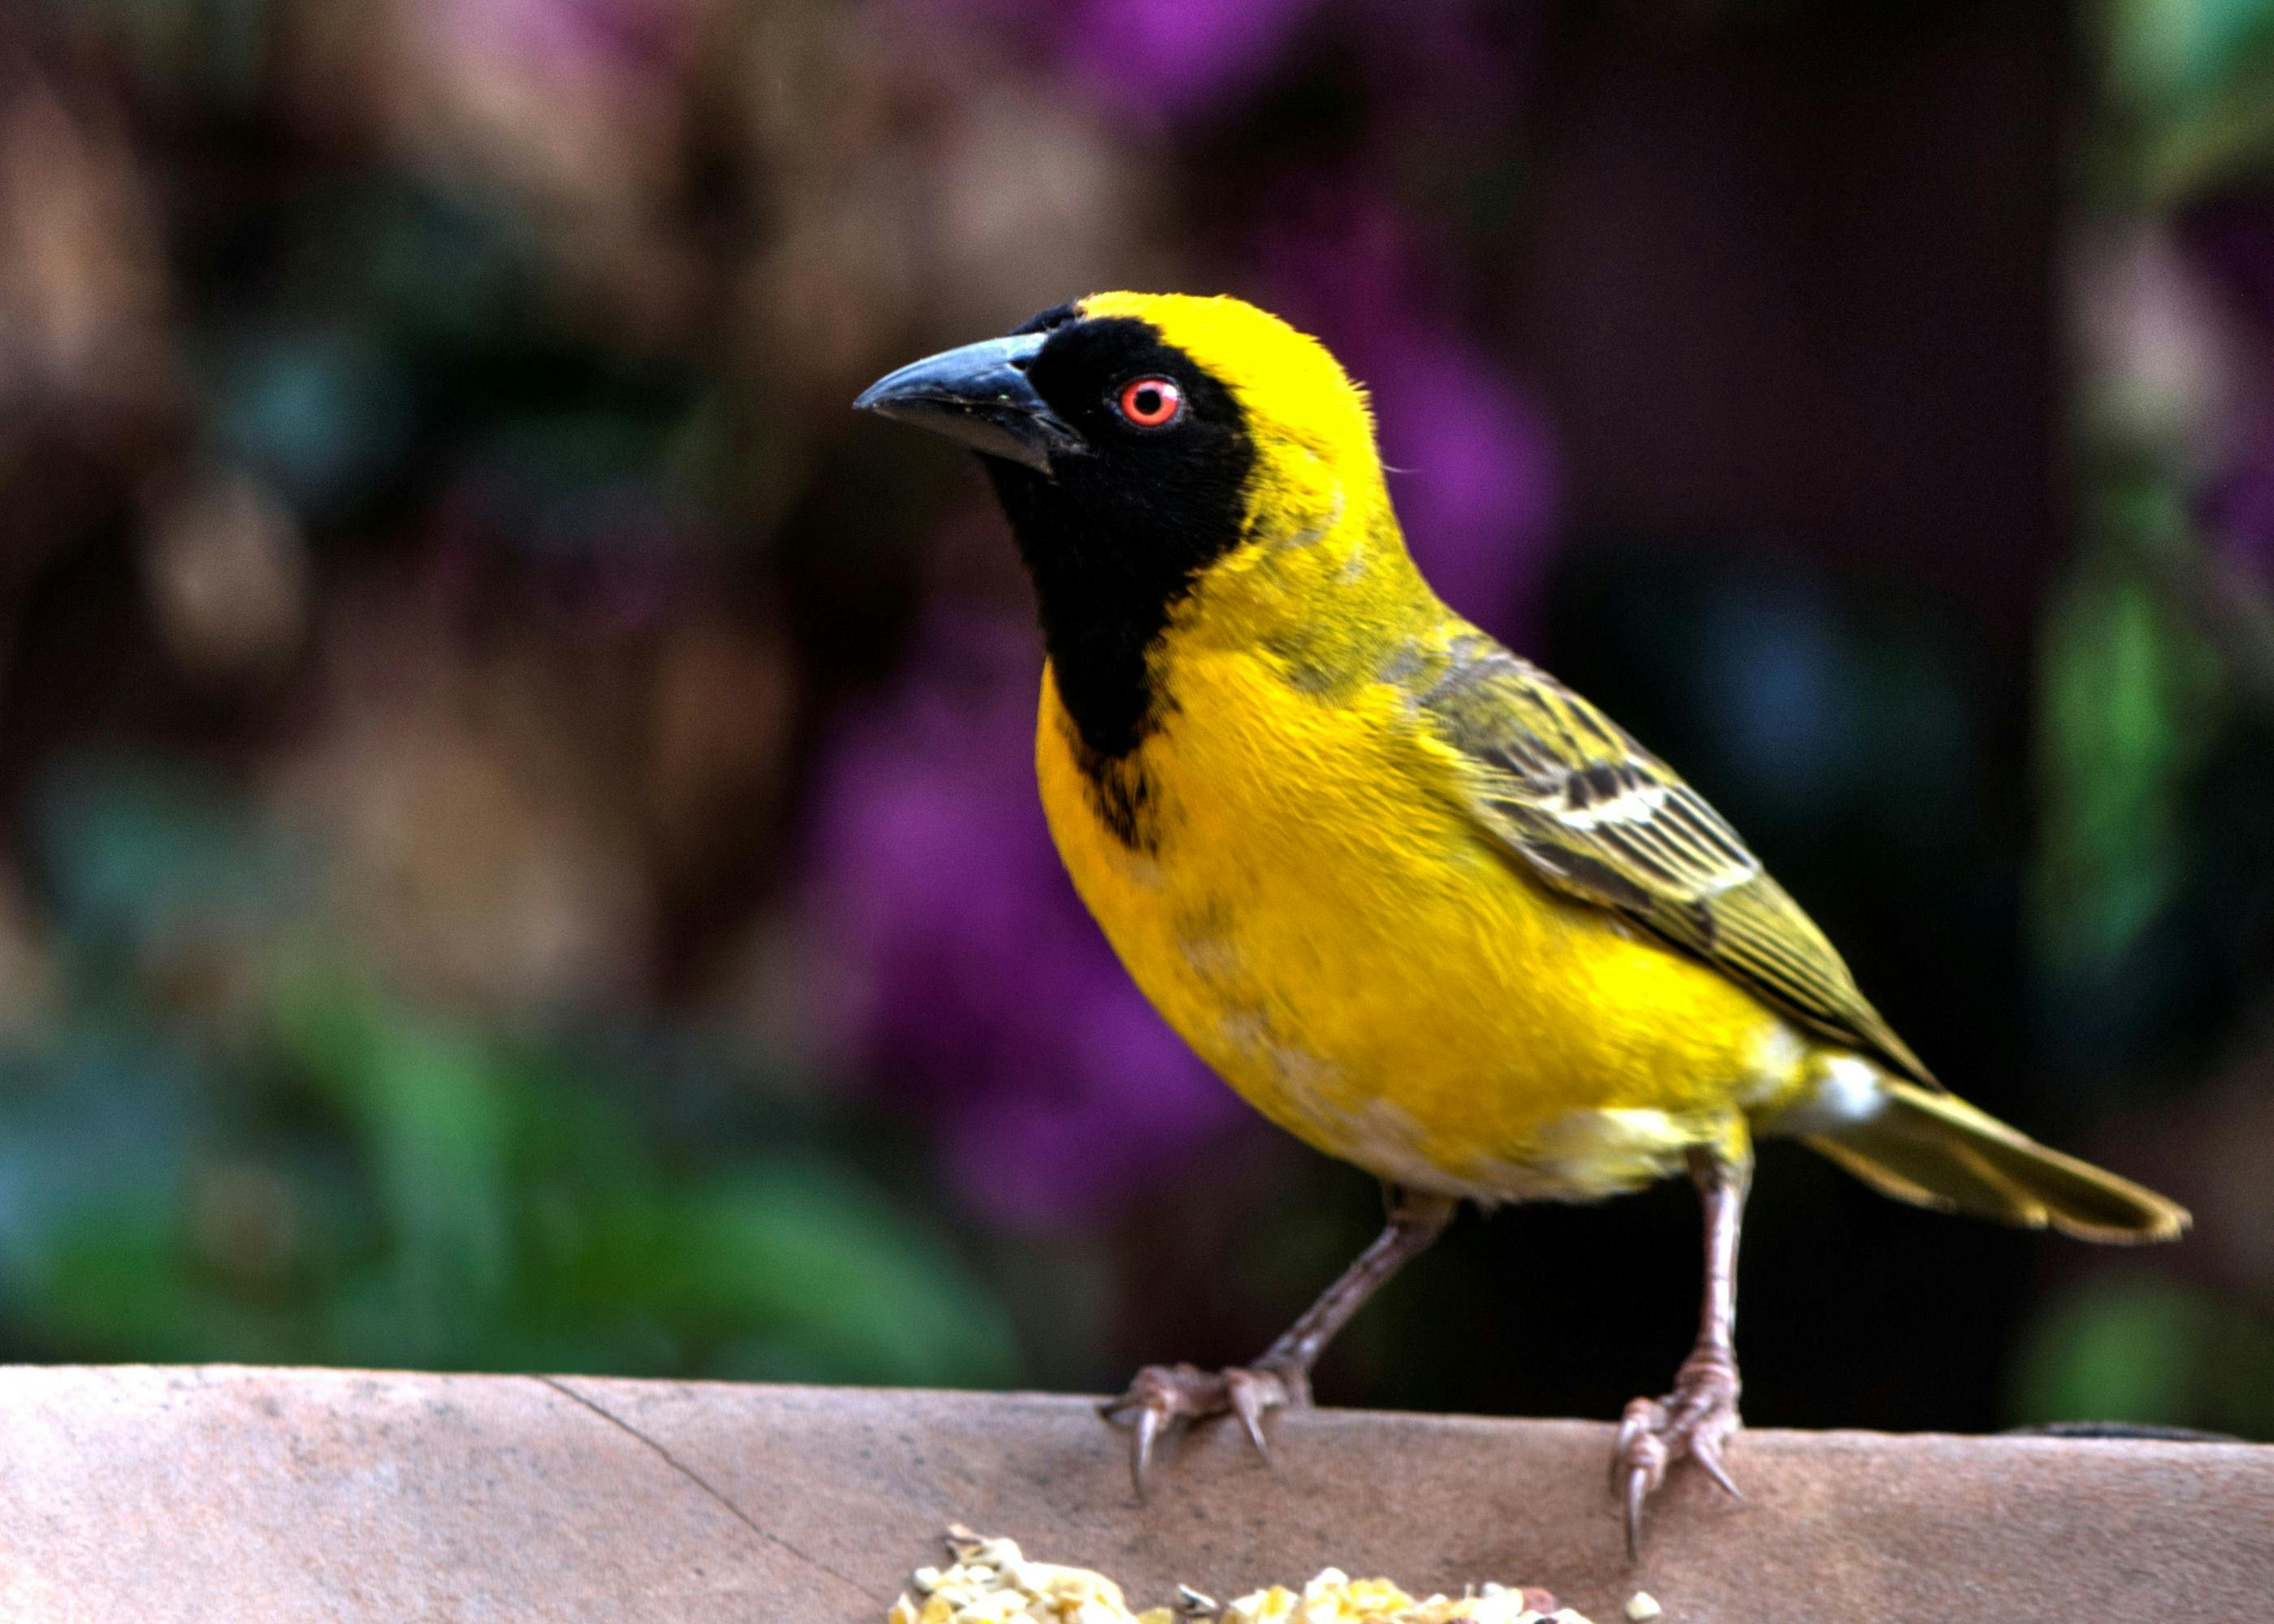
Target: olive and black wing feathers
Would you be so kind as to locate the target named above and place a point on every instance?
(1591, 813)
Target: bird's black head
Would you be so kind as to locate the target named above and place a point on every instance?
(1123, 467)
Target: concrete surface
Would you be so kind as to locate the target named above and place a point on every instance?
(242, 1495)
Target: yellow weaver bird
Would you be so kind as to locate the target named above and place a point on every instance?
(1420, 905)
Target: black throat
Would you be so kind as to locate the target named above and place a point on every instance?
(1115, 537)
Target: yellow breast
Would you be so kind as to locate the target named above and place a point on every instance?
(1294, 884)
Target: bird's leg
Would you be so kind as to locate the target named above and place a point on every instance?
(1162, 1396)
(1697, 1418)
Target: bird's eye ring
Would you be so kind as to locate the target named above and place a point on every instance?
(1150, 402)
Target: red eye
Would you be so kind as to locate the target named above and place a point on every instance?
(1148, 402)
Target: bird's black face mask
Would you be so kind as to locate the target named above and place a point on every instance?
(1122, 467)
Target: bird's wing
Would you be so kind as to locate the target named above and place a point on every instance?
(1585, 809)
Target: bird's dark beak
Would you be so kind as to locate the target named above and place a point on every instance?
(980, 396)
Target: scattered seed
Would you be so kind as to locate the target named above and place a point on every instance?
(992, 1581)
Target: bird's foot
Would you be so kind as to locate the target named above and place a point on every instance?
(1161, 1396)
(1694, 1421)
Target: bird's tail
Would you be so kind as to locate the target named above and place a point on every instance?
(1938, 1151)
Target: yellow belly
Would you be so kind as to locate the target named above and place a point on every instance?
(1314, 913)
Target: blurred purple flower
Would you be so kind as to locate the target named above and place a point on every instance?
(2239, 507)
(1158, 61)
(1175, 58)
(1473, 461)
(1477, 487)
(976, 988)
(2232, 238)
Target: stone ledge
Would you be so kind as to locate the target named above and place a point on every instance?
(234, 1494)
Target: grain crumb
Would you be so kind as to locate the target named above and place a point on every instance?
(992, 1581)
(1642, 1604)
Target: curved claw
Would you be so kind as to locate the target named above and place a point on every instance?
(1639, 1488)
(1643, 1457)
(1693, 1421)
(1162, 1396)
(1141, 1446)
(1709, 1456)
